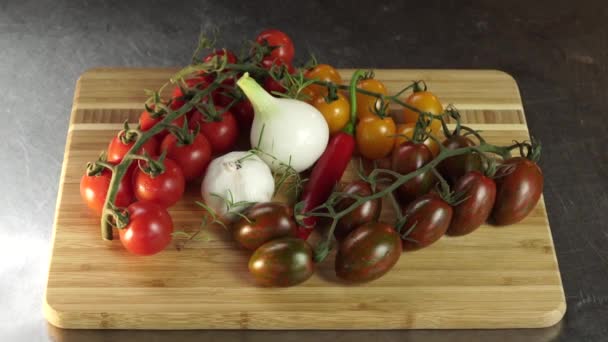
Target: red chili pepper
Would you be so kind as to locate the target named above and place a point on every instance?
(330, 167)
(325, 175)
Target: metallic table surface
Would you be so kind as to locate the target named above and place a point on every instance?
(555, 50)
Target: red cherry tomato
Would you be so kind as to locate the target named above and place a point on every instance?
(192, 158)
(243, 111)
(409, 157)
(94, 190)
(149, 229)
(221, 134)
(147, 121)
(179, 98)
(282, 44)
(117, 149)
(270, 84)
(230, 56)
(164, 189)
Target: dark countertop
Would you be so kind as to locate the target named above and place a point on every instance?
(557, 51)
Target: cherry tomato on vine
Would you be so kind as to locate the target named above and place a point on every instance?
(365, 213)
(179, 98)
(367, 103)
(430, 218)
(265, 222)
(222, 134)
(519, 185)
(94, 190)
(230, 56)
(322, 72)
(149, 229)
(282, 45)
(424, 101)
(409, 157)
(282, 262)
(405, 132)
(147, 121)
(336, 113)
(375, 137)
(368, 252)
(270, 84)
(164, 189)
(192, 157)
(117, 149)
(453, 168)
(478, 193)
(243, 113)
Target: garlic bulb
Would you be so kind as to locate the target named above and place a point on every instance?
(236, 177)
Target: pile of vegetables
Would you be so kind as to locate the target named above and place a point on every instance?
(305, 121)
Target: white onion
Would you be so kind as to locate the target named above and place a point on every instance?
(293, 132)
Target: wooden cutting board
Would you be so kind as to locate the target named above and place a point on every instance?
(494, 278)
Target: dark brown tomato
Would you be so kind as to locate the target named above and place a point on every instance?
(366, 212)
(479, 193)
(282, 262)
(430, 216)
(409, 157)
(518, 189)
(455, 167)
(368, 252)
(265, 222)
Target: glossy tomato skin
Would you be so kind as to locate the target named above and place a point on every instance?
(409, 157)
(479, 194)
(375, 137)
(164, 189)
(367, 103)
(117, 150)
(222, 134)
(424, 101)
(178, 98)
(283, 50)
(266, 221)
(453, 168)
(149, 229)
(282, 262)
(336, 113)
(243, 113)
(147, 121)
(193, 158)
(407, 130)
(431, 216)
(94, 190)
(519, 187)
(230, 56)
(365, 213)
(368, 252)
(322, 72)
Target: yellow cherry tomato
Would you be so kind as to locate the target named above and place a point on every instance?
(336, 113)
(375, 137)
(408, 131)
(367, 103)
(424, 101)
(323, 72)
(307, 95)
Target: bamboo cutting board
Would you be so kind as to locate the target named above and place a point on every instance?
(493, 278)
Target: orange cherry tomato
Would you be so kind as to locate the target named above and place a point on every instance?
(375, 137)
(323, 72)
(367, 103)
(424, 101)
(408, 130)
(336, 113)
(307, 95)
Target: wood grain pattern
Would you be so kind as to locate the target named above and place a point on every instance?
(493, 278)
